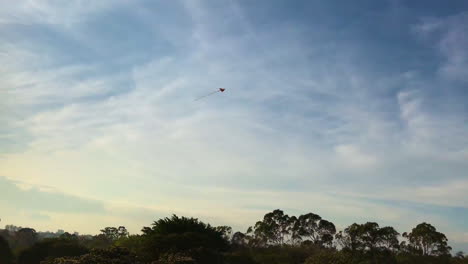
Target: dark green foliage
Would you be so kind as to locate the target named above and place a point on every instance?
(239, 240)
(181, 234)
(24, 238)
(114, 233)
(99, 242)
(283, 254)
(329, 257)
(51, 248)
(406, 258)
(239, 257)
(460, 258)
(180, 225)
(132, 242)
(225, 230)
(113, 255)
(205, 255)
(6, 256)
(175, 258)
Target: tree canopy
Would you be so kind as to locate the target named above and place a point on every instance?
(278, 238)
(425, 240)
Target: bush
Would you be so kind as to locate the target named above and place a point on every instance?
(6, 256)
(327, 257)
(183, 235)
(238, 258)
(283, 254)
(177, 258)
(114, 255)
(50, 248)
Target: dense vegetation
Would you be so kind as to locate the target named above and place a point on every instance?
(277, 238)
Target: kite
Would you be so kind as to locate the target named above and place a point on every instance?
(217, 91)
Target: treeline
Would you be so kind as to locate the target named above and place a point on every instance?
(277, 238)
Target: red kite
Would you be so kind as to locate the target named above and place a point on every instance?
(217, 91)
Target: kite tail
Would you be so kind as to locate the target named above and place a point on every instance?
(205, 96)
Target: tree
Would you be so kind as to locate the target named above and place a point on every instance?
(425, 240)
(316, 229)
(239, 239)
(368, 237)
(348, 238)
(68, 236)
(181, 234)
(25, 238)
(110, 233)
(6, 256)
(294, 230)
(308, 226)
(12, 228)
(100, 241)
(326, 231)
(134, 243)
(388, 238)
(273, 229)
(122, 232)
(114, 233)
(225, 230)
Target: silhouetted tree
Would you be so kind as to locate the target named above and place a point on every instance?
(239, 239)
(24, 238)
(315, 229)
(114, 233)
(225, 230)
(107, 237)
(425, 240)
(181, 234)
(326, 231)
(122, 232)
(349, 238)
(308, 226)
(273, 229)
(369, 240)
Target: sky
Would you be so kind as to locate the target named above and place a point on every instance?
(353, 110)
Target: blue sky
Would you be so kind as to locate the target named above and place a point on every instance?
(354, 111)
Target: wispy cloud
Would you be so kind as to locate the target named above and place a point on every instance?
(452, 38)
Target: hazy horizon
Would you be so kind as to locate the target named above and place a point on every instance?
(356, 111)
